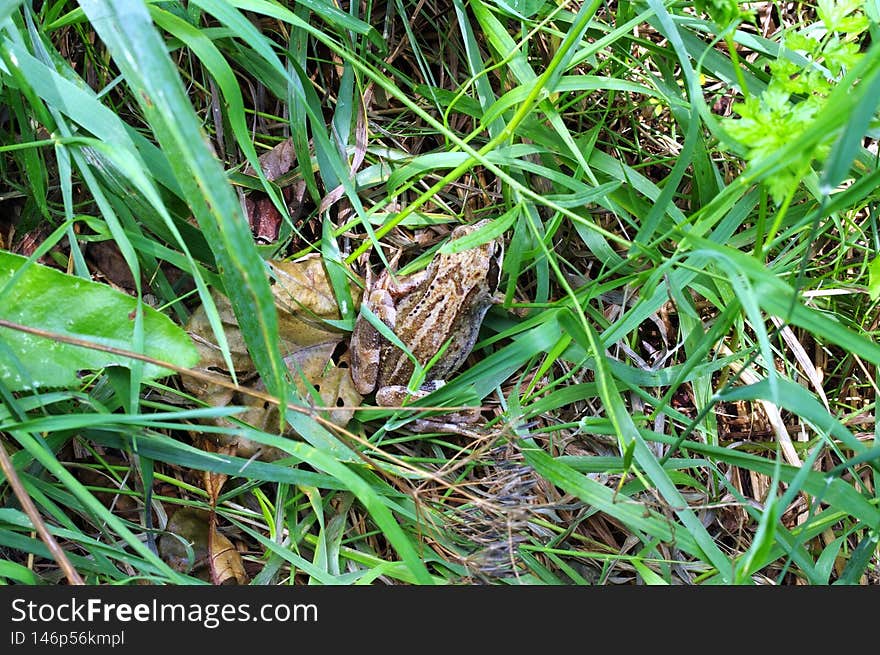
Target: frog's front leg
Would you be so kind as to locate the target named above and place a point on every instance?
(404, 285)
(396, 395)
(366, 342)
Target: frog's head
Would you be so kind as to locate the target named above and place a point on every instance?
(489, 251)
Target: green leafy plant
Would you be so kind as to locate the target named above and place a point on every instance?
(811, 62)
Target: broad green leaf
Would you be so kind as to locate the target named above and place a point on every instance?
(47, 299)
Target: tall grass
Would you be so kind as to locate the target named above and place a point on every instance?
(680, 382)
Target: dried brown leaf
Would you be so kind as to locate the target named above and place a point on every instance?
(225, 561)
(304, 300)
(276, 162)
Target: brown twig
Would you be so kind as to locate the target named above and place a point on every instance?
(224, 382)
(34, 515)
(211, 379)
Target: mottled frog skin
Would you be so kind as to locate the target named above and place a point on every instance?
(445, 302)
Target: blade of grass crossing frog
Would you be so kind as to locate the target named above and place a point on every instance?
(484, 234)
(140, 53)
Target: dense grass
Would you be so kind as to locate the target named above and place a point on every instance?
(678, 388)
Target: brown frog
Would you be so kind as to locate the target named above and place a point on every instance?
(444, 304)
